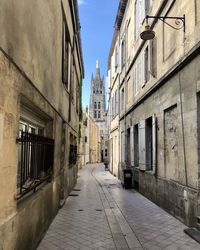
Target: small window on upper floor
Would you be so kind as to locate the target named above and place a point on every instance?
(116, 57)
(66, 55)
(123, 52)
(142, 8)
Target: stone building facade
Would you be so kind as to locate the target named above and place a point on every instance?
(95, 141)
(159, 103)
(41, 68)
(84, 145)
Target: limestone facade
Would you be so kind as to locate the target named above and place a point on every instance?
(95, 141)
(41, 69)
(84, 152)
(158, 130)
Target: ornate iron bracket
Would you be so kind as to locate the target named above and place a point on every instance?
(179, 21)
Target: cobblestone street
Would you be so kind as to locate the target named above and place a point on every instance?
(100, 214)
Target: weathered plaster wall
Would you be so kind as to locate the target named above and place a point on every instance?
(171, 178)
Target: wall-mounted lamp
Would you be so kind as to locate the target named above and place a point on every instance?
(149, 34)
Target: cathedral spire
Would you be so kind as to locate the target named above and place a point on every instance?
(97, 70)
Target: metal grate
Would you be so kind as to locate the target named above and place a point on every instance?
(36, 154)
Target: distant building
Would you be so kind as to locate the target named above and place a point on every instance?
(84, 148)
(98, 108)
(94, 142)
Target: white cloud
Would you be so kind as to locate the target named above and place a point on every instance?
(80, 2)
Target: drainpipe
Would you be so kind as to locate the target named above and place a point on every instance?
(125, 83)
(183, 130)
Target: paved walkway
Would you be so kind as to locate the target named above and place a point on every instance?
(105, 216)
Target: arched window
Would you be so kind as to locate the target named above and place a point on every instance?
(99, 114)
(99, 105)
(95, 105)
(95, 114)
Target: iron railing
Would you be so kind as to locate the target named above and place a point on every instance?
(35, 165)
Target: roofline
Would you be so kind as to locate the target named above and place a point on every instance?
(120, 13)
(117, 26)
(76, 21)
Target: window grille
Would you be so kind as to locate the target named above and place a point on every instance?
(36, 155)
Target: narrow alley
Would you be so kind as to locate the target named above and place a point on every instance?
(100, 214)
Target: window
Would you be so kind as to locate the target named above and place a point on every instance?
(85, 122)
(138, 74)
(106, 152)
(99, 105)
(95, 114)
(122, 99)
(116, 102)
(123, 52)
(73, 151)
(99, 114)
(95, 105)
(116, 57)
(147, 144)
(35, 157)
(122, 147)
(86, 139)
(141, 10)
(128, 147)
(136, 146)
(66, 55)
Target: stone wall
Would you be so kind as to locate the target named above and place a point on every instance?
(31, 83)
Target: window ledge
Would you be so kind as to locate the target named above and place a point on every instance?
(150, 172)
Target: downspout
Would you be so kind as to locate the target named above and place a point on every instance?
(125, 83)
(183, 130)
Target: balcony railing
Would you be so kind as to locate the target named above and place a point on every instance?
(35, 165)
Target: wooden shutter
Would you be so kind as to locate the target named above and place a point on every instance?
(132, 145)
(142, 146)
(142, 11)
(122, 147)
(143, 68)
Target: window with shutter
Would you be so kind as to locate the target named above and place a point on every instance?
(66, 55)
(122, 147)
(136, 146)
(132, 145)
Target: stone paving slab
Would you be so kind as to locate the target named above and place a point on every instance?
(106, 216)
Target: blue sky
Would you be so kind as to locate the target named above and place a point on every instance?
(97, 19)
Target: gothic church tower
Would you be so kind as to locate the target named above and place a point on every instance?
(97, 97)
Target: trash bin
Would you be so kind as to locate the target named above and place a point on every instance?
(128, 178)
